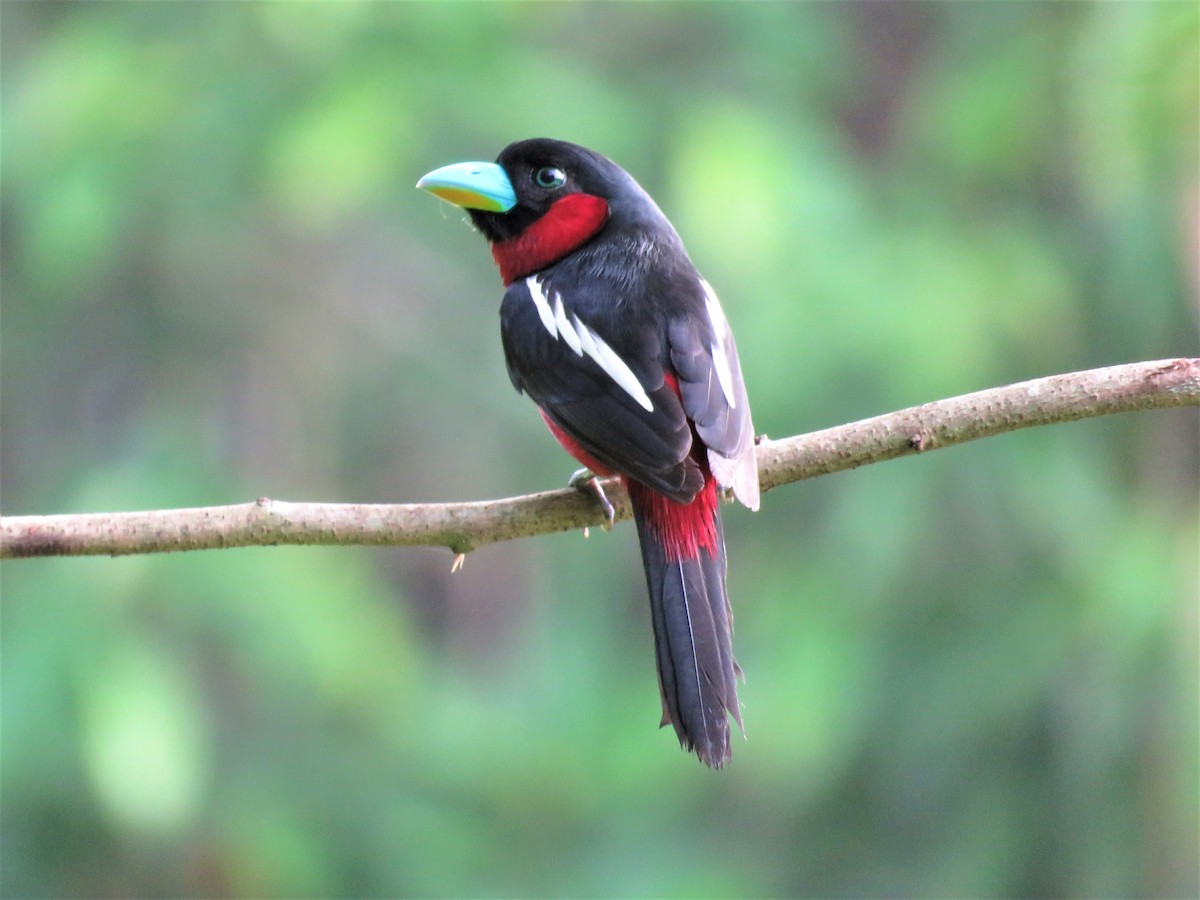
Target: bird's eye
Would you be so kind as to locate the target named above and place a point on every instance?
(550, 177)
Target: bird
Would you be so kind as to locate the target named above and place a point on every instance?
(610, 329)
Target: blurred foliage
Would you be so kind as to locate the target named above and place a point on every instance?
(972, 673)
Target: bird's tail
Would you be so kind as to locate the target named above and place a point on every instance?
(683, 551)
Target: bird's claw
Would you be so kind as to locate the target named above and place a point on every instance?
(586, 480)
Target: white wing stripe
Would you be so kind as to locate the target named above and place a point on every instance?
(543, 306)
(720, 327)
(608, 360)
(583, 340)
(585, 337)
(724, 375)
(565, 330)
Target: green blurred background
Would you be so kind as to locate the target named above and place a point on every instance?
(969, 673)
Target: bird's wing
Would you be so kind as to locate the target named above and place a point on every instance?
(608, 392)
(713, 392)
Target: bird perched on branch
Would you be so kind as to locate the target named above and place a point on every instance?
(611, 331)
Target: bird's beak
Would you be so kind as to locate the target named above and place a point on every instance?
(473, 185)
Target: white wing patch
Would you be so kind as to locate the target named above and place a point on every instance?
(608, 360)
(586, 342)
(720, 328)
(543, 306)
(566, 330)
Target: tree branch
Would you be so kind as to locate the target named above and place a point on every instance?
(464, 526)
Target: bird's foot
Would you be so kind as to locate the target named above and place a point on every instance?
(587, 480)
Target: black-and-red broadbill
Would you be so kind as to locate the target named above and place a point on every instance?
(610, 329)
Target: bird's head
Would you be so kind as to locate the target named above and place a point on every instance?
(542, 199)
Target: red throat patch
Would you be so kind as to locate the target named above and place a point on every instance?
(565, 226)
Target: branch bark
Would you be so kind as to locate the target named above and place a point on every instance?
(463, 526)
